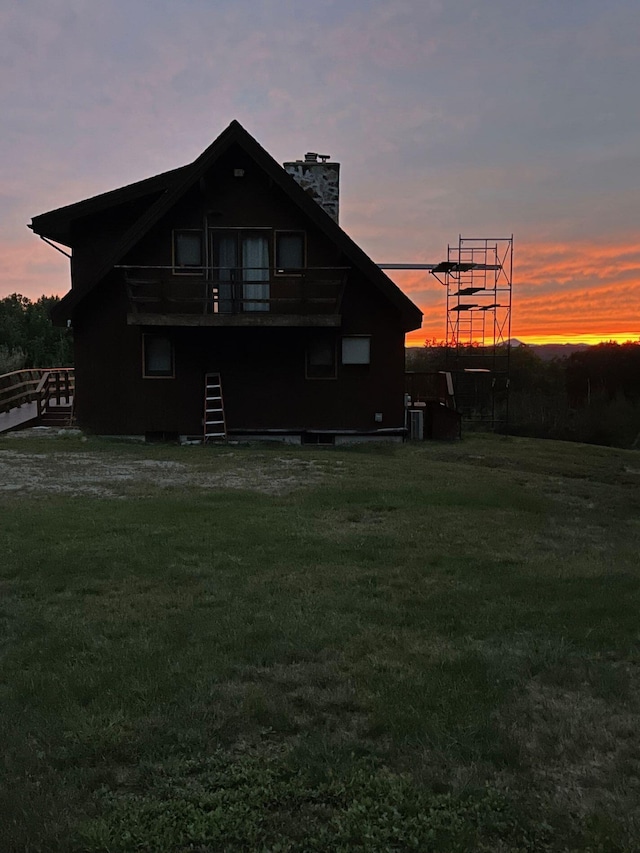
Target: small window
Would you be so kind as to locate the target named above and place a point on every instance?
(289, 251)
(187, 251)
(157, 357)
(321, 359)
(356, 350)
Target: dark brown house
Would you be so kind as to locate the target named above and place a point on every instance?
(231, 267)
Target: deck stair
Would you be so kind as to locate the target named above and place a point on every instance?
(55, 398)
(215, 426)
(61, 416)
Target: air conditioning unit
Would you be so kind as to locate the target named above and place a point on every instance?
(416, 425)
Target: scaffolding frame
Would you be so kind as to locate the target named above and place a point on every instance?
(478, 276)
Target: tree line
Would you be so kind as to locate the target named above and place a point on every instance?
(591, 395)
(28, 338)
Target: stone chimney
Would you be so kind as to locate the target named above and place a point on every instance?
(319, 178)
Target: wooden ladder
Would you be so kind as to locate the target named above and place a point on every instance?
(215, 427)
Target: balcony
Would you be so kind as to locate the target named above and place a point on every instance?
(157, 296)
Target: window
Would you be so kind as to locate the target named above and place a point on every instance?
(157, 355)
(356, 350)
(289, 251)
(321, 359)
(187, 251)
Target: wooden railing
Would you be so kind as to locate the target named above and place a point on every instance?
(19, 387)
(41, 385)
(56, 388)
(159, 290)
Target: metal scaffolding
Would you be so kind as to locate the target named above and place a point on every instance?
(478, 277)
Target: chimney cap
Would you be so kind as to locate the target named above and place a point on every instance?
(312, 157)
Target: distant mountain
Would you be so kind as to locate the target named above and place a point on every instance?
(547, 352)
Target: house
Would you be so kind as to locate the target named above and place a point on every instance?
(234, 268)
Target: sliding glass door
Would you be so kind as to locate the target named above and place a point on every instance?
(241, 265)
(255, 271)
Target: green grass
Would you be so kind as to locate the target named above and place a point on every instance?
(428, 647)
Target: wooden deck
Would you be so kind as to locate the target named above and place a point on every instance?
(38, 395)
(27, 415)
(20, 416)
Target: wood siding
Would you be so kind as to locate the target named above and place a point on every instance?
(263, 369)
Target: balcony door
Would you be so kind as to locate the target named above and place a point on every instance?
(241, 265)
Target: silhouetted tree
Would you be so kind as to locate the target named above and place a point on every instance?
(609, 369)
(592, 395)
(27, 336)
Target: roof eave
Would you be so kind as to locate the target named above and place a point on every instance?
(55, 224)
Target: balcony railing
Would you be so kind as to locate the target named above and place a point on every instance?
(157, 290)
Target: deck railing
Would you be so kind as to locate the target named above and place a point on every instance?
(164, 290)
(38, 385)
(56, 388)
(19, 387)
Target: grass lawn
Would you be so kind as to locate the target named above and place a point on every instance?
(428, 647)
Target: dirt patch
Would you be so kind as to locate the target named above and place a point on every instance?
(581, 751)
(101, 476)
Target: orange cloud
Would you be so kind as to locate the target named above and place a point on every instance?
(577, 291)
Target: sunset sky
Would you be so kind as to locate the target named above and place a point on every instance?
(473, 117)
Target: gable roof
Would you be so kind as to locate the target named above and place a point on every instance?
(56, 224)
(173, 186)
